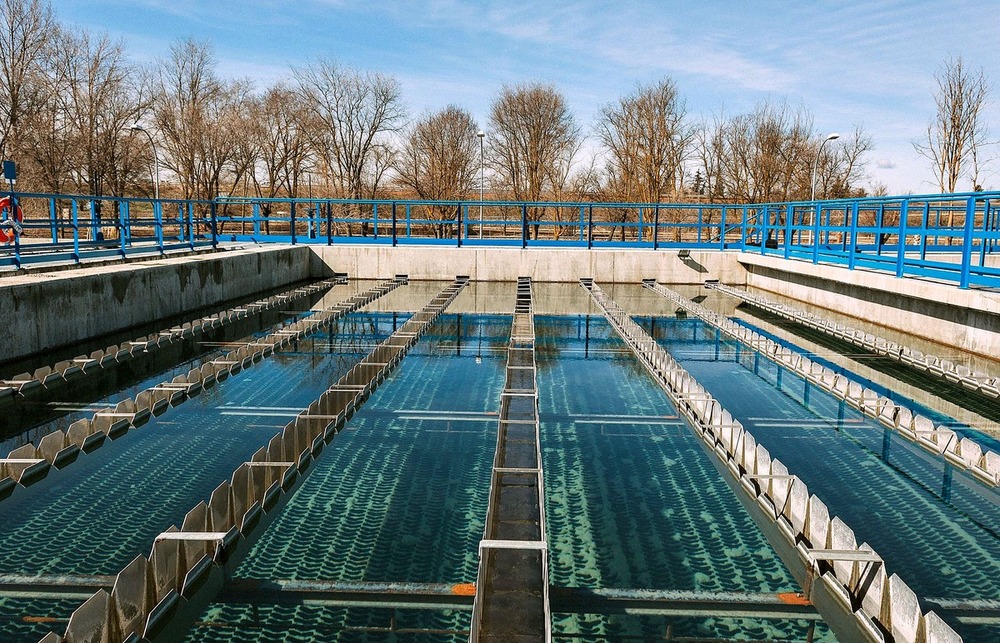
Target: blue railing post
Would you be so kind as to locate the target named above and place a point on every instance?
(291, 222)
(743, 229)
(95, 225)
(524, 225)
(408, 220)
(375, 220)
(924, 221)
(701, 223)
(328, 207)
(158, 224)
(656, 227)
(765, 223)
(853, 249)
(255, 213)
(789, 233)
(190, 224)
(121, 231)
(640, 225)
(879, 222)
(970, 224)
(843, 229)
(213, 210)
(458, 218)
(722, 229)
(816, 217)
(54, 220)
(329, 223)
(394, 239)
(126, 209)
(76, 230)
(16, 235)
(904, 214)
(590, 227)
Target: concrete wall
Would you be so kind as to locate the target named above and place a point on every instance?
(45, 310)
(541, 264)
(965, 319)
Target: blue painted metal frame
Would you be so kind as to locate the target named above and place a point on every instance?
(951, 237)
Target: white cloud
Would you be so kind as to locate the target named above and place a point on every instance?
(867, 63)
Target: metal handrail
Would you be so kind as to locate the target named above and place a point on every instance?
(951, 237)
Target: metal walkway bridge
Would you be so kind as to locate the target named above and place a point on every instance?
(948, 237)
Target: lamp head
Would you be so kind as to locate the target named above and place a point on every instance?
(135, 127)
(832, 136)
(480, 134)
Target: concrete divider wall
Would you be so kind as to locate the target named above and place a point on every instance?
(968, 320)
(41, 311)
(541, 264)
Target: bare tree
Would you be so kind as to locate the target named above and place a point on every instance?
(72, 140)
(841, 168)
(45, 137)
(647, 139)
(197, 115)
(534, 139)
(221, 164)
(278, 127)
(759, 157)
(710, 152)
(26, 29)
(354, 114)
(437, 160)
(101, 101)
(957, 130)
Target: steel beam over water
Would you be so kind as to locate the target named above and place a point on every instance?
(512, 598)
(444, 596)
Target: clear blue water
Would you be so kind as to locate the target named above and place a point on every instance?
(107, 507)
(400, 495)
(632, 499)
(939, 418)
(73, 402)
(942, 539)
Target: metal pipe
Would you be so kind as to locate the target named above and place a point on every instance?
(156, 159)
(482, 179)
(812, 182)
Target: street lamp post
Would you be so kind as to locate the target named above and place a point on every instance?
(156, 159)
(482, 179)
(812, 182)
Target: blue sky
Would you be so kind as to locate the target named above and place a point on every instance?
(869, 63)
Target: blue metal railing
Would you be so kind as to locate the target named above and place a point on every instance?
(73, 228)
(950, 237)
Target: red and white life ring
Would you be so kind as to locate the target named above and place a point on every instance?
(6, 233)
